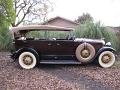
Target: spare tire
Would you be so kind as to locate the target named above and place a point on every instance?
(85, 52)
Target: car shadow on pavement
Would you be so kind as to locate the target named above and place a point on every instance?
(63, 72)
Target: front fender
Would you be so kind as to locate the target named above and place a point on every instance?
(104, 49)
(16, 54)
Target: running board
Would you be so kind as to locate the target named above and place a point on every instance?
(59, 62)
(57, 57)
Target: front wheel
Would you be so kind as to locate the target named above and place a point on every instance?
(106, 59)
(27, 60)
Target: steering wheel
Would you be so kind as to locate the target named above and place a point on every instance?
(68, 37)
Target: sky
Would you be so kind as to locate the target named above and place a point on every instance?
(106, 11)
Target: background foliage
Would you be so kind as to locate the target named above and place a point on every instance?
(97, 31)
(7, 12)
(31, 11)
(48, 34)
(83, 18)
(7, 16)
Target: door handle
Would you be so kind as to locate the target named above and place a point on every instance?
(25, 42)
(58, 44)
(49, 44)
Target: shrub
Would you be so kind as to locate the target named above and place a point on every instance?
(5, 39)
(97, 31)
(48, 34)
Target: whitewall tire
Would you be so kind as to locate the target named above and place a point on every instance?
(27, 60)
(106, 59)
(85, 52)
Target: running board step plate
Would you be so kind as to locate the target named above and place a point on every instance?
(59, 62)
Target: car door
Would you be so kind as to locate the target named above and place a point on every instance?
(53, 47)
(62, 47)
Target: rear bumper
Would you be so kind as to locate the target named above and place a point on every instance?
(13, 55)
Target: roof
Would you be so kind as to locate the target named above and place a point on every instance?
(59, 18)
(39, 27)
(116, 29)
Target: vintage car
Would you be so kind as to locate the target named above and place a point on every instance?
(30, 51)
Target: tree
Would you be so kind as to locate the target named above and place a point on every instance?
(7, 16)
(29, 11)
(85, 17)
(7, 13)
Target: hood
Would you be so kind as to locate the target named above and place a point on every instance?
(89, 40)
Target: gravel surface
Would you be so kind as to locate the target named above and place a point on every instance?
(57, 77)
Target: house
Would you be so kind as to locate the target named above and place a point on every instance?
(60, 21)
(116, 30)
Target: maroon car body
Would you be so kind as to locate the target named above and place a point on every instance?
(53, 51)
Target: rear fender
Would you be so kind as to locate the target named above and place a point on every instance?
(16, 54)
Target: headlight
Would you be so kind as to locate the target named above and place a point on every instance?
(108, 44)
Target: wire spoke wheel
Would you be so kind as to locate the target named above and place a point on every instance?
(106, 59)
(85, 52)
(27, 60)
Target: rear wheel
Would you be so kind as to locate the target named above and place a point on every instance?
(27, 60)
(106, 59)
